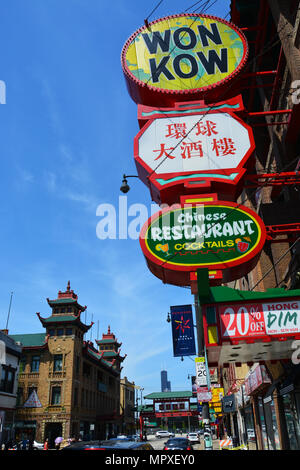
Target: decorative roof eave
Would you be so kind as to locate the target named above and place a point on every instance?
(96, 356)
(108, 341)
(64, 301)
(114, 355)
(68, 319)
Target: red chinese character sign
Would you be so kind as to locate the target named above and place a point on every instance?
(193, 148)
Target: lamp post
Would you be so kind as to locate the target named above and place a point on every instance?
(125, 186)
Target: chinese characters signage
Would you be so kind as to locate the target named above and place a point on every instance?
(182, 56)
(187, 151)
(183, 330)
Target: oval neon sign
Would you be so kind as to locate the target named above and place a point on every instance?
(182, 54)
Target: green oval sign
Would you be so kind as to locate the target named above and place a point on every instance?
(213, 235)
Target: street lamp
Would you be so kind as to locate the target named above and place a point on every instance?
(125, 186)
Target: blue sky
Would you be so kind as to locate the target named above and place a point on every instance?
(66, 138)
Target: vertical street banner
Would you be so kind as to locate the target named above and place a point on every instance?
(183, 331)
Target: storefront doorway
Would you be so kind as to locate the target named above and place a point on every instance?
(52, 431)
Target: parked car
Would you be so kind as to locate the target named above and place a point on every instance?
(178, 443)
(193, 437)
(118, 444)
(161, 434)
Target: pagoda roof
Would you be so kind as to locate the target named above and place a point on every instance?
(31, 340)
(113, 354)
(70, 319)
(169, 395)
(65, 298)
(94, 354)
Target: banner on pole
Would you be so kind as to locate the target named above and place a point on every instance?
(183, 331)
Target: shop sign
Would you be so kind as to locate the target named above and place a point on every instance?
(259, 320)
(183, 331)
(257, 379)
(192, 148)
(263, 327)
(229, 404)
(201, 377)
(203, 394)
(182, 56)
(223, 235)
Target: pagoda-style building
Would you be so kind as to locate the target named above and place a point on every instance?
(67, 387)
(110, 348)
(66, 313)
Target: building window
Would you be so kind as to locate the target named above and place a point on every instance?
(57, 363)
(51, 332)
(86, 369)
(77, 365)
(22, 365)
(56, 395)
(60, 331)
(7, 379)
(19, 396)
(69, 309)
(75, 396)
(69, 331)
(35, 364)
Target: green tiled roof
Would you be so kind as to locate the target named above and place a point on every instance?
(63, 301)
(34, 339)
(109, 353)
(59, 318)
(167, 395)
(105, 341)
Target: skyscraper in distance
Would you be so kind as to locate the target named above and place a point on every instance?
(165, 383)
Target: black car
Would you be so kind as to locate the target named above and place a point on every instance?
(178, 443)
(119, 444)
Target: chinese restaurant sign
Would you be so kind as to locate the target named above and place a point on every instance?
(192, 148)
(182, 57)
(261, 327)
(219, 235)
(183, 330)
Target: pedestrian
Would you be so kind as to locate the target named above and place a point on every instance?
(30, 444)
(46, 444)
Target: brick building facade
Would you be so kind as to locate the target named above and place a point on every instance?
(67, 387)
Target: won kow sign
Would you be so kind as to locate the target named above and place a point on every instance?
(180, 56)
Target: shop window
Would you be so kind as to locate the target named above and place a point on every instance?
(35, 364)
(57, 362)
(56, 395)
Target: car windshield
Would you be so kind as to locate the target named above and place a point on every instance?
(176, 442)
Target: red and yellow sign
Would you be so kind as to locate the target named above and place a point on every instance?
(181, 57)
